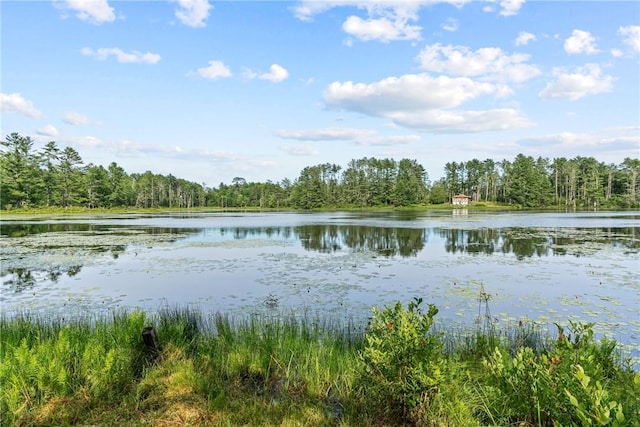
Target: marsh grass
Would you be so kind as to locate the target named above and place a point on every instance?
(213, 369)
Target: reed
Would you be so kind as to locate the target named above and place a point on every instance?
(216, 369)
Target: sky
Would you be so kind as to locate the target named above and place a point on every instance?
(213, 90)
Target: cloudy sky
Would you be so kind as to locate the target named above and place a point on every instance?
(212, 90)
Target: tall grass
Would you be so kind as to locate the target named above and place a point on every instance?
(213, 369)
(41, 359)
(302, 359)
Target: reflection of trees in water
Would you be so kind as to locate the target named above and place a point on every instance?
(410, 241)
(527, 242)
(117, 250)
(19, 278)
(322, 238)
(383, 240)
(54, 275)
(73, 270)
(480, 241)
(406, 242)
(21, 230)
(522, 242)
(244, 232)
(624, 237)
(328, 238)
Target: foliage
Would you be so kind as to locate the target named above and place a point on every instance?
(57, 176)
(279, 370)
(97, 362)
(403, 360)
(554, 387)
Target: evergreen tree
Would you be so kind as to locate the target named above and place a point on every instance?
(19, 171)
(49, 162)
(71, 174)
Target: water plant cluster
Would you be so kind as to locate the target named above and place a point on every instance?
(399, 369)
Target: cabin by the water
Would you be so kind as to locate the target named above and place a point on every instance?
(460, 200)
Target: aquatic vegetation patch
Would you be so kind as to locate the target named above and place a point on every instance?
(65, 249)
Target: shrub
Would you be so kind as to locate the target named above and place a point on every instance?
(403, 361)
(556, 387)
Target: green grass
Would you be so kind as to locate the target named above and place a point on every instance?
(78, 210)
(213, 369)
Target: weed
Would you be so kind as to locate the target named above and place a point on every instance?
(403, 361)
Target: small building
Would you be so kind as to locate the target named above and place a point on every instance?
(460, 200)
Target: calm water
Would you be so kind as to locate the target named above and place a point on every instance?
(545, 267)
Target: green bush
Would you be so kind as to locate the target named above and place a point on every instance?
(556, 387)
(403, 361)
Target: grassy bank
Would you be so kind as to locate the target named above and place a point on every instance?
(76, 210)
(399, 370)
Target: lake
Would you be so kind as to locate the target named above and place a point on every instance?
(542, 267)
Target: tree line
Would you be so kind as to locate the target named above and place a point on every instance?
(56, 176)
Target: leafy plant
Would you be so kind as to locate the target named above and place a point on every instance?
(597, 408)
(403, 360)
(556, 387)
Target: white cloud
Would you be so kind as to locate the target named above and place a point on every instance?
(326, 134)
(121, 56)
(490, 63)
(76, 119)
(276, 74)
(450, 24)
(631, 36)
(300, 150)
(16, 103)
(130, 149)
(385, 20)
(604, 140)
(424, 102)
(443, 121)
(94, 11)
(220, 155)
(358, 136)
(617, 53)
(48, 130)
(524, 38)
(88, 142)
(384, 29)
(584, 81)
(391, 140)
(215, 70)
(510, 7)
(305, 10)
(252, 164)
(410, 91)
(193, 13)
(581, 42)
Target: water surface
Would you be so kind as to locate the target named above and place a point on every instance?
(544, 267)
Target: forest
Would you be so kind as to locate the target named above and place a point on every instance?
(57, 177)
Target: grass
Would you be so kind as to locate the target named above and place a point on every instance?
(216, 370)
(79, 210)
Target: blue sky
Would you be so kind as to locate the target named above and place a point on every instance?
(209, 91)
